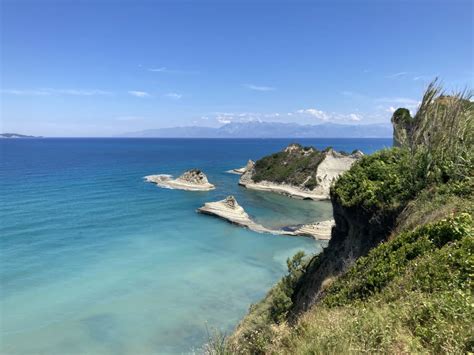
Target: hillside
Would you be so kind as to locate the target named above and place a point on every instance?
(396, 276)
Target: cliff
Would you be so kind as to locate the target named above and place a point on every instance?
(395, 277)
(299, 172)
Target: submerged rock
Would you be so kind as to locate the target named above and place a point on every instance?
(191, 180)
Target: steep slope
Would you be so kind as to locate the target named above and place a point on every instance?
(397, 274)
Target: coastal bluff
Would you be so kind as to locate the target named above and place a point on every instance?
(191, 180)
(298, 172)
(229, 209)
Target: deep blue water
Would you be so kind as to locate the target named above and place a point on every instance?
(94, 260)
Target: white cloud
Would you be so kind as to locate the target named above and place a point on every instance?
(49, 92)
(330, 116)
(158, 70)
(307, 116)
(171, 71)
(354, 117)
(424, 77)
(26, 92)
(321, 115)
(139, 93)
(227, 117)
(82, 92)
(259, 88)
(173, 95)
(397, 75)
(223, 120)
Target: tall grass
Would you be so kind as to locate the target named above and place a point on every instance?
(442, 135)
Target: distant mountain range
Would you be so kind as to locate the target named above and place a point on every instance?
(15, 135)
(270, 130)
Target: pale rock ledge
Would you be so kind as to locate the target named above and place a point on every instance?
(239, 171)
(191, 180)
(229, 210)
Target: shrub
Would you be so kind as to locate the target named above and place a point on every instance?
(376, 181)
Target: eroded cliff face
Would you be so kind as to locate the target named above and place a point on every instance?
(356, 232)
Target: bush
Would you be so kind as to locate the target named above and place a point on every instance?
(377, 181)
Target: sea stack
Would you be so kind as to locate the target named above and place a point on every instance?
(191, 180)
(229, 210)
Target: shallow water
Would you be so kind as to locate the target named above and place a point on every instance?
(94, 260)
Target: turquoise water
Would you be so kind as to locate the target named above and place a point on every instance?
(96, 261)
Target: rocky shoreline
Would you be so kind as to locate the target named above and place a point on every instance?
(330, 168)
(191, 180)
(229, 210)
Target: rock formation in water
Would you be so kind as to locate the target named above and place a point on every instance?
(191, 180)
(299, 172)
(242, 170)
(229, 210)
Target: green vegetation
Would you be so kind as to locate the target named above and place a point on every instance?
(372, 273)
(377, 181)
(438, 149)
(413, 291)
(255, 330)
(295, 165)
(425, 306)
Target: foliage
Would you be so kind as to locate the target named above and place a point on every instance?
(427, 308)
(255, 331)
(290, 166)
(423, 305)
(412, 293)
(442, 136)
(377, 181)
(439, 148)
(372, 273)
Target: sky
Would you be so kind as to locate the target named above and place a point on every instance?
(103, 67)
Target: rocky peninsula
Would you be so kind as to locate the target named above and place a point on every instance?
(229, 210)
(298, 172)
(191, 180)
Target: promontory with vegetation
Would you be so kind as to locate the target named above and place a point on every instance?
(396, 276)
(297, 171)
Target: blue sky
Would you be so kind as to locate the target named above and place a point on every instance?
(100, 68)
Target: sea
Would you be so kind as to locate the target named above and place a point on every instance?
(93, 260)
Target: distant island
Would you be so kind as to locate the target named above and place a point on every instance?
(257, 129)
(16, 135)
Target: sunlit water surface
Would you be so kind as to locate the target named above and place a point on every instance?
(96, 261)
